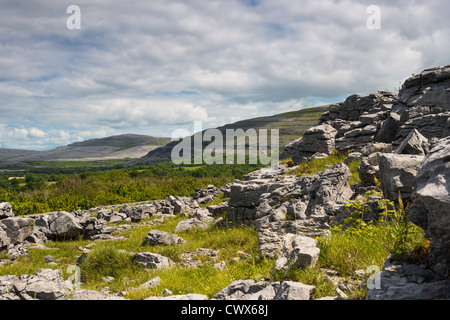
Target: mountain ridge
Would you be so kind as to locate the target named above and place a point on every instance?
(107, 148)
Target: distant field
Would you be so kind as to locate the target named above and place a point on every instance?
(78, 164)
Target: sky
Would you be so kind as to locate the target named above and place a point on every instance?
(153, 67)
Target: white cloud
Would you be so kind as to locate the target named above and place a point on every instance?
(149, 67)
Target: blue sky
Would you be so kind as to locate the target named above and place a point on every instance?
(151, 67)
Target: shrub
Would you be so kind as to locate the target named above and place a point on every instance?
(104, 260)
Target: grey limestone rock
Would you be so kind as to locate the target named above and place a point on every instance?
(60, 225)
(17, 229)
(398, 173)
(158, 237)
(6, 210)
(430, 208)
(153, 260)
(318, 139)
(297, 250)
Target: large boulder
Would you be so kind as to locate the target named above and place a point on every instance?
(428, 88)
(318, 139)
(430, 208)
(60, 225)
(414, 143)
(427, 100)
(398, 173)
(204, 195)
(358, 105)
(6, 210)
(403, 281)
(389, 128)
(17, 229)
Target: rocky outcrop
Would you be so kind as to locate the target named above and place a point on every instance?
(205, 195)
(405, 281)
(260, 201)
(153, 260)
(430, 208)
(402, 142)
(44, 284)
(188, 224)
(316, 140)
(252, 290)
(175, 205)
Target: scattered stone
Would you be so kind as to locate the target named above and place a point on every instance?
(153, 260)
(154, 282)
(318, 139)
(157, 237)
(369, 169)
(17, 229)
(252, 290)
(399, 281)
(83, 294)
(166, 292)
(414, 143)
(205, 195)
(188, 259)
(107, 279)
(37, 236)
(44, 284)
(218, 209)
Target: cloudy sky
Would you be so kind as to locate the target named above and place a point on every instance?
(150, 67)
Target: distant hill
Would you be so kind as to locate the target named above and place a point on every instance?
(291, 126)
(109, 148)
(147, 149)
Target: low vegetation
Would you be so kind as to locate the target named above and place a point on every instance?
(313, 166)
(37, 193)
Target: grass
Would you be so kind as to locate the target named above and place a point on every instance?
(208, 280)
(345, 251)
(313, 166)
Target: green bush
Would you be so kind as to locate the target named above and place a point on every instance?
(104, 260)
